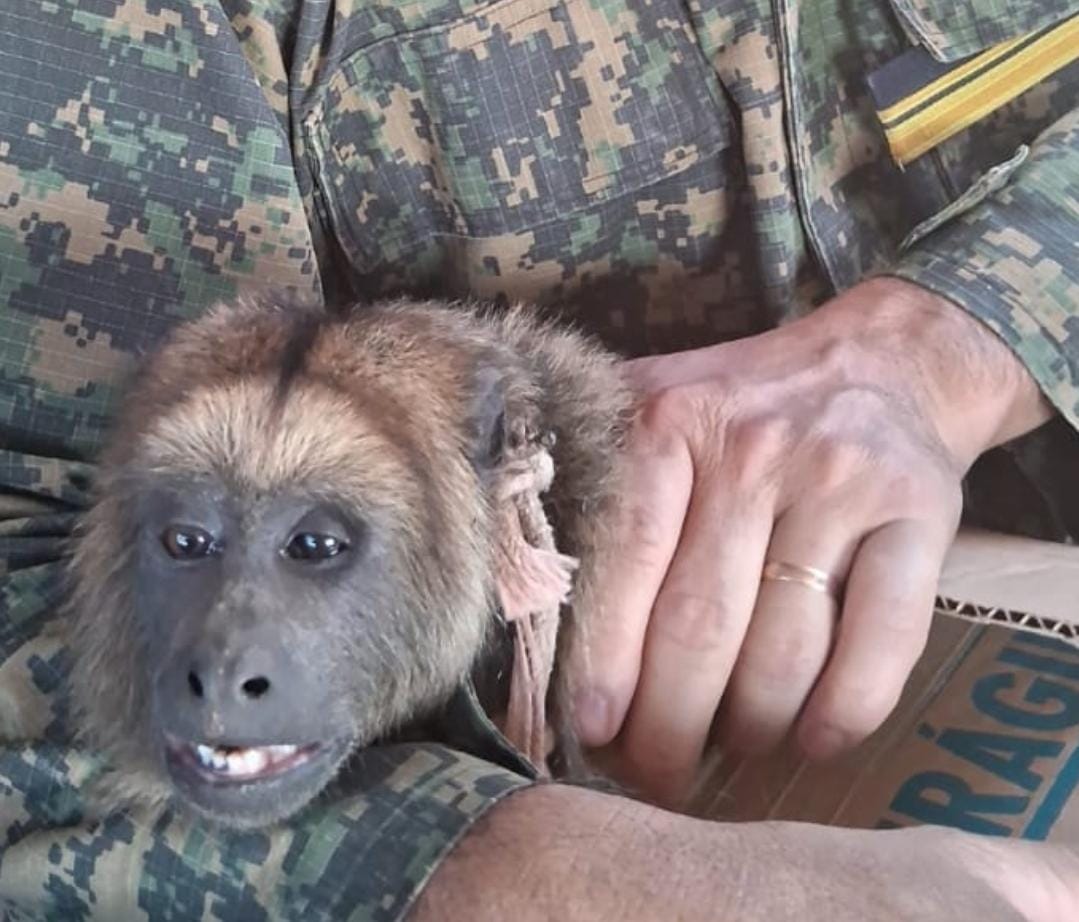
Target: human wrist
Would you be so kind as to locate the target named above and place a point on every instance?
(974, 389)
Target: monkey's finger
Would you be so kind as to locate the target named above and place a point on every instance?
(658, 485)
(696, 630)
(887, 609)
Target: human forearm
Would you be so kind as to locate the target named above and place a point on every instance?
(555, 852)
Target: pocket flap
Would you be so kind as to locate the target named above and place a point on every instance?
(510, 119)
(955, 29)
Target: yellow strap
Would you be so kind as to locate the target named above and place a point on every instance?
(910, 134)
(949, 79)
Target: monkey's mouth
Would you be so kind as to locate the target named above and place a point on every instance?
(240, 764)
(250, 786)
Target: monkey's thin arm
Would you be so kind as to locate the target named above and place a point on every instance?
(554, 852)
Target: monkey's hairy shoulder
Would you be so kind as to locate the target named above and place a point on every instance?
(291, 549)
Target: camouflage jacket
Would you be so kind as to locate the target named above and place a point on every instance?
(670, 172)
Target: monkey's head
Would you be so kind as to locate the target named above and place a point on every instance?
(289, 554)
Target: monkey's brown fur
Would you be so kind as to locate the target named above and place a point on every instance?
(376, 405)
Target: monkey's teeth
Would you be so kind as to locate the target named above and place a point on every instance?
(247, 761)
(205, 754)
(281, 752)
(243, 763)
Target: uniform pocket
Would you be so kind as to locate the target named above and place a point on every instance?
(508, 119)
(951, 30)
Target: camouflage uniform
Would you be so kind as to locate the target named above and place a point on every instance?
(671, 172)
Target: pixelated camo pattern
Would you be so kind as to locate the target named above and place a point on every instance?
(667, 172)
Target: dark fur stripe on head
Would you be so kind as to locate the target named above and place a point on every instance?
(308, 321)
(306, 326)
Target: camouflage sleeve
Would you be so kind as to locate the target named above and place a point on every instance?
(1012, 258)
(145, 172)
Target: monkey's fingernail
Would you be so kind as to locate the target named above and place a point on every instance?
(593, 717)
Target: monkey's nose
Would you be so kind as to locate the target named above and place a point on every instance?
(254, 687)
(232, 693)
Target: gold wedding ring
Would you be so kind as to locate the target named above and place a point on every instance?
(810, 577)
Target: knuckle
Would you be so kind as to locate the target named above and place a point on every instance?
(645, 540)
(670, 408)
(791, 660)
(756, 446)
(838, 359)
(661, 427)
(839, 461)
(647, 531)
(697, 409)
(774, 674)
(784, 660)
(651, 446)
(692, 621)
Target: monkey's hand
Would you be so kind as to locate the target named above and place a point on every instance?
(836, 443)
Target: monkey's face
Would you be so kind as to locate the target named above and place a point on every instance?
(298, 581)
(261, 630)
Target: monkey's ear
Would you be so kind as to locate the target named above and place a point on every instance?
(485, 426)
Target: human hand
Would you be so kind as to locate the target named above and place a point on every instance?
(838, 443)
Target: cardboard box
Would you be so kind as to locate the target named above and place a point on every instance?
(986, 737)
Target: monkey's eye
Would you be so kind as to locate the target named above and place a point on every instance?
(308, 545)
(188, 542)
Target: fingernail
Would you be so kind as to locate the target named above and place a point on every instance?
(593, 716)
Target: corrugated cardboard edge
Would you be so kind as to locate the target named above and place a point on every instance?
(1018, 583)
